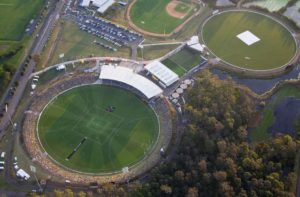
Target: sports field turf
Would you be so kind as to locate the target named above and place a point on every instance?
(151, 16)
(182, 7)
(15, 16)
(114, 139)
(275, 48)
(183, 61)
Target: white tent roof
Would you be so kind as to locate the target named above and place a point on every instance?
(194, 44)
(127, 76)
(163, 73)
(23, 174)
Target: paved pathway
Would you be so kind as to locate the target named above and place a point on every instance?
(162, 43)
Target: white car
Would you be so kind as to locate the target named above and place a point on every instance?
(2, 154)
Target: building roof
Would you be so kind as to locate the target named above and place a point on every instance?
(102, 5)
(163, 73)
(105, 6)
(129, 77)
(98, 3)
(85, 3)
(194, 44)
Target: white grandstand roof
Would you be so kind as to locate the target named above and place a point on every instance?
(105, 6)
(194, 44)
(129, 77)
(163, 73)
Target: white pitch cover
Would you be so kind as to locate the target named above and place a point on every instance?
(248, 38)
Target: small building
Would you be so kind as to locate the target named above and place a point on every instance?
(194, 44)
(22, 174)
(102, 5)
(105, 6)
(165, 75)
(123, 3)
(85, 3)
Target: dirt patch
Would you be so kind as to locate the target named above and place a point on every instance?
(171, 9)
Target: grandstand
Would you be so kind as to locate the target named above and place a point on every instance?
(61, 168)
(165, 75)
(102, 5)
(129, 77)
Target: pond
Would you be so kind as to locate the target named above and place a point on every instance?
(285, 112)
(258, 86)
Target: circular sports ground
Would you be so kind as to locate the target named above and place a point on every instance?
(249, 40)
(97, 129)
(80, 129)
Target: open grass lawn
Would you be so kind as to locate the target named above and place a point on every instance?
(6, 46)
(260, 133)
(275, 48)
(183, 61)
(155, 51)
(151, 16)
(75, 44)
(15, 16)
(113, 139)
(182, 7)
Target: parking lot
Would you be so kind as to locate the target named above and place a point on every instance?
(99, 27)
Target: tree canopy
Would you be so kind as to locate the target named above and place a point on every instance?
(215, 157)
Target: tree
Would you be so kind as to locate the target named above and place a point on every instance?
(192, 192)
(179, 175)
(69, 193)
(166, 189)
(221, 146)
(2, 72)
(202, 166)
(58, 193)
(82, 194)
(215, 157)
(36, 58)
(220, 176)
